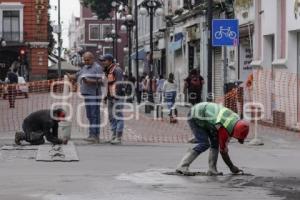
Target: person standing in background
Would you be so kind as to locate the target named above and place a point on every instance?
(115, 97)
(90, 80)
(169, 90)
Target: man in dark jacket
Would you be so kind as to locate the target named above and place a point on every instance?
(12, 80)
(39, 124)
(115, 97)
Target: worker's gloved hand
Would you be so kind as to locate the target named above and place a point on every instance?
(236, 170)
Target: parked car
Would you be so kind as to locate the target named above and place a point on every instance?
(21, 88)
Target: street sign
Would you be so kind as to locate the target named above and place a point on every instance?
(225, 32)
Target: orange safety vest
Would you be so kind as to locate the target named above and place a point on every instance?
(111, 81)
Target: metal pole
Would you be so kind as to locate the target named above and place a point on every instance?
(113, 41)
(151, 41)
(59, 41)
(116, 35)
(136, 45)
(151, 55)
(209, 51)
(149, 108)
(129, 28)
(129, 49)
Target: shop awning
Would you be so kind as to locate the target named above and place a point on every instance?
(175, 45)
(141, 55)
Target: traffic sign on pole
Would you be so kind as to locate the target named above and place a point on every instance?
(225, 32)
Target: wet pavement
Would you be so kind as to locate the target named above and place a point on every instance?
(135, 171)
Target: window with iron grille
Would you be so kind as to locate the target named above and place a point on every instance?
(107, 50)
(106, 30)
(94, 30)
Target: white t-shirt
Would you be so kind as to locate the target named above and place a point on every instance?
(169, 87)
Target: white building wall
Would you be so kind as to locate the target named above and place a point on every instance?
(269, 16)
(293, 27)
(292, 22)
(281, 71)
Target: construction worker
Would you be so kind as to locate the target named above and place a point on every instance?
(213, 125)
(39, 124)
(115, 97)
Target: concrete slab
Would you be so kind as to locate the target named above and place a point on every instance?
(57, 153)
(19, 147)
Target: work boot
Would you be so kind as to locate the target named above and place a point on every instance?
(212, 163)
(19, 136)
(92, 139)
(188, 158)
(113, 137)
(116, 141)
(193, 141)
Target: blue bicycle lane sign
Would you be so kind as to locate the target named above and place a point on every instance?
(225, 32)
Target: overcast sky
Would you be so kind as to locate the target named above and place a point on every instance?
(68, 7)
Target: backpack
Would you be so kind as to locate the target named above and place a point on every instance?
(194, 84)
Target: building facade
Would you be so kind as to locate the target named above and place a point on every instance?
(277, 51)
(24, 28)
(88, 33)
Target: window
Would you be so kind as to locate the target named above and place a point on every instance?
(11, 25)
(106, 30)
(94, 31)
(107, 50)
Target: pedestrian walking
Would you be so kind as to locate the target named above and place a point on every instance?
(139, 89)
(39, 124)
(193, 87)
(12, 80)
(169, 90)
(213, 125)
(115, 97)
(159, 86)
(90, 80)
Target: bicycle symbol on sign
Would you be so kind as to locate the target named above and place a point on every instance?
(226, 32)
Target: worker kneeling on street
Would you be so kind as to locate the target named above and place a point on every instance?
(39, 124)
(213, 125)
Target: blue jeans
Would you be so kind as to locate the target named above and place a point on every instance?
(170, 98)
(115, 115)
(205, 138)
(92, 107)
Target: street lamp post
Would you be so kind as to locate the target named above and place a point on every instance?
(151, 7)
(117, 8)
(59, 41)
(136, 48)
(128, 26)
(113, 38)
(209, 52)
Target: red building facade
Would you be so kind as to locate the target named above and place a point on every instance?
(92, 33)
(24, 28)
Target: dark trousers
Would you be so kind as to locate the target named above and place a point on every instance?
(92, 107)
(11, 89)
(33, 137)
(205, 138)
